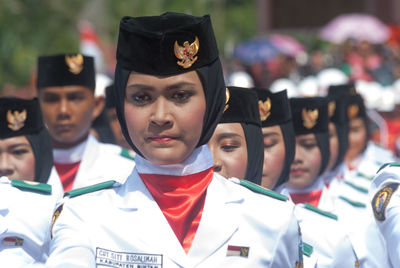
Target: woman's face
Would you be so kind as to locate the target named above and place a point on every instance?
(164, 115)
(229, 150)
(274, 156)
(333, 146)
(357, 139)
(17, 160)
(307, 162)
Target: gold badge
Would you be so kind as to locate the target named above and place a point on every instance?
(265, 109)
(381, 200)
(309, 118)
(186, 53)
(16, 120)
(352, 111)
(331, 108)
(56, 213)
(74, 63)
(227, 96)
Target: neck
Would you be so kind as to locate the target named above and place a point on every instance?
(63, 145)
(72, 154)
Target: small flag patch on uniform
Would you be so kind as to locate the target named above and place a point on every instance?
(238, 251)
(12, 241)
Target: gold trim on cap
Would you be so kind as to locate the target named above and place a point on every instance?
(74, 63)
(309, 118)
(227, 96)
(265, 109)
(16, 120)
(186, 53)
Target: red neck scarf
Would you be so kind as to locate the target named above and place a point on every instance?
(312, 197)
(181, 199)
(67, 173)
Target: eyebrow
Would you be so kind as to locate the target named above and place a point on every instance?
(17, 145)
(151, 88)
(227, 136)
(266, 135)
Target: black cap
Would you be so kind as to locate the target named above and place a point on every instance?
(274, 108)
(337, 109)
(341, 90)
(241, 107)
(66, 70)
(168, 44)
(19, 117)
(355, 107)
(110, 97)
(310, 115)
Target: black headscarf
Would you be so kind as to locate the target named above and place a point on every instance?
(33, 129)
(281, 115)
(156, 36)
(318, 125)
(242, 108)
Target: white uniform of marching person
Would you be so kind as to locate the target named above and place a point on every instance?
(98, 162)
(385, 201)
(26, 209)
(123, 226)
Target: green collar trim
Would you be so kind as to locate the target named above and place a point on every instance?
(362, 175)
(90, 189)
(32, 186)
(322, 212)
(261, 190)
(307, 249)
(352, 202)
(127, 154)
(358, 188)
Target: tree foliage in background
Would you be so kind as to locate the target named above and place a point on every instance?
(29, 28)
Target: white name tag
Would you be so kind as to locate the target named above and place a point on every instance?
(105, 257)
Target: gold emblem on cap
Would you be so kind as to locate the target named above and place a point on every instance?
(353, 91)
(227, 96)
(331, 108)
(16, 120)
(265, 109)
(309, 118)
(186, 53)
(352, 111)
(74, 63)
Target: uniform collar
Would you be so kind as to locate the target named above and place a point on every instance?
(71, 155)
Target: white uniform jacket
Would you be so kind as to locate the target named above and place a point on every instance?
(124, 226)
(99, 162)
(385, 199)
(25, 222)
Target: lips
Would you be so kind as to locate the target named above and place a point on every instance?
(161, 139)
(297, 172)
(64, 128)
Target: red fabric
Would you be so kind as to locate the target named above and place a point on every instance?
(67, 173)
(181, 199)
(311, 197)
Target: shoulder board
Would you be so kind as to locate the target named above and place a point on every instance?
(32, 186)
(322, 212)
(90, 189)
(385, 165)
(352, 202)
(356, 187)
(362, 175)
(261, 190)
(307, 249)
(127, 154)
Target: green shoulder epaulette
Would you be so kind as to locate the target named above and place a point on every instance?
(362, 175)
(352, 202)
(322, 212)
(384, 165)
(261, 190)
(32, 186)
(356, 187)
(307, 249)
(127, 154)
(90, 189)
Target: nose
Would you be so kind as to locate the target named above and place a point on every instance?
(5, 166)
(64, 109)
(161, 115)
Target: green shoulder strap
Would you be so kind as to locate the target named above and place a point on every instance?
(322, 212)
(127, 154)
(261, 190)
(352, 202)
(364, 176)
(90, 189)
(357, 187)
(32, 186)
(307, 249)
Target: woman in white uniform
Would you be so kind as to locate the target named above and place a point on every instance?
(173, 210)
